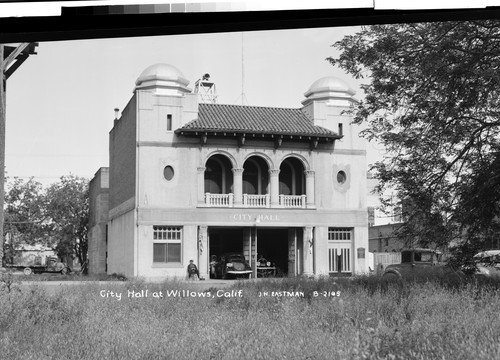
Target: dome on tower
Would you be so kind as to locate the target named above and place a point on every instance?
(163, 72)
(330, 89)
(329, 84)
(163, 77)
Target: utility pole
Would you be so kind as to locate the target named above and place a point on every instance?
(11, 57)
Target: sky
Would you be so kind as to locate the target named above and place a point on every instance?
(60, 102)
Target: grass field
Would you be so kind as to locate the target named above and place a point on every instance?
(271, 319)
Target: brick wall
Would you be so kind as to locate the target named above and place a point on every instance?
(122, 150)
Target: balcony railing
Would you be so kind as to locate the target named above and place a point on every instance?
(261, 201)
(293, 201)
(219, 200)
(256, 201)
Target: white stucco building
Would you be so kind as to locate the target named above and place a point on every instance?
(188, 180)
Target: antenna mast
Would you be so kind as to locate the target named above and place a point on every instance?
(243, 97)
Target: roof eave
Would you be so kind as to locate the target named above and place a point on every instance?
(253, 133)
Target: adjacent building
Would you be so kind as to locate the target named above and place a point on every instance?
(190, 178)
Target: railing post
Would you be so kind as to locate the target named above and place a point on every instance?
(281, 200)
(303, 201)
(268, 201)
(207, 199)
(231, 199)
(245, 200)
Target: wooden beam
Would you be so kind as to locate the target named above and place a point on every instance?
(241, 140)
(13, 55)
(16, 65)
(278, 141)
(2, 150)
(8, 65)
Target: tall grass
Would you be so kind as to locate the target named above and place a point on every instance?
(367, 321)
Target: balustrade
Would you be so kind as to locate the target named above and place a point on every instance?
(255, 201)
(219, 200)
(293, 201)
(263, 200)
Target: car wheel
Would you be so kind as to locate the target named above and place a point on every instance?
(27, 271)
(391, 279)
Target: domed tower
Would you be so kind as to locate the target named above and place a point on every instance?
(326, 102)
(164, 79)
(163, 89)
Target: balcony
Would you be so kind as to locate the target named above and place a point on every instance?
(219, 200)
(255, 201)
(293, 201)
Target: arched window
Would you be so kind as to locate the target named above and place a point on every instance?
(291, 177)
(255, 176)
(218, 175)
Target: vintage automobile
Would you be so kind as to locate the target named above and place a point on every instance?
(265, 268)
(232, 265)
(419, 263)
(487, 264)
(53, 265)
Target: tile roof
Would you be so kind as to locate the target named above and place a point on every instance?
(254, 119)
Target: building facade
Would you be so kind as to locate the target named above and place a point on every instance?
(98, 221)
(190, 180)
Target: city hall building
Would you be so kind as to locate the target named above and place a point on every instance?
(189, 178)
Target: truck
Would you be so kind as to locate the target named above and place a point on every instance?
(52, 265)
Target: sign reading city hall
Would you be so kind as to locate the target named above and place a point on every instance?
(258, 218)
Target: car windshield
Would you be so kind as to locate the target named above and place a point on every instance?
(424, 257)
(418, 256)
(236, 257)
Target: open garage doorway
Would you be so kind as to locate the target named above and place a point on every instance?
(223, 242)
(273, 246)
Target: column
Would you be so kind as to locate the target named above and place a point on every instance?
(308, 251)
(201, 185)
(203, 251)
(275, 186)
(310, 188)
(238, 186)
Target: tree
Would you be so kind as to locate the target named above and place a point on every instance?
(68, 208)
(25, 219)
(433, 100)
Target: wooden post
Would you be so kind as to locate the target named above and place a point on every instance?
(2, 149)
(8, 64)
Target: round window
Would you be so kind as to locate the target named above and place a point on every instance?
(341, 177)
(168, 172)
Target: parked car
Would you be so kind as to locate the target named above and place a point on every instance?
(232, 265)
(266, 268)
(487, 264)
(53, 265)
(419, 263)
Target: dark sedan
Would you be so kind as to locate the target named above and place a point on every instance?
(419, 263)
(232, 265)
